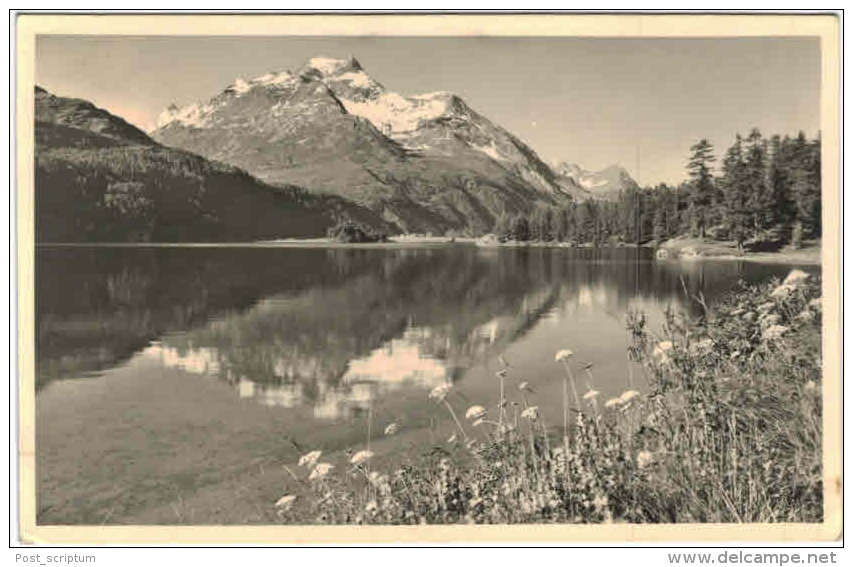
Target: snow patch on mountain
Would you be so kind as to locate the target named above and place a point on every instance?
(357, 78)
(392, 113)
(490, 150)
(194, 115)
(241, 86)
(197, 114)
(609, 180)
(328, 65)
(272, 78)
(591, 182)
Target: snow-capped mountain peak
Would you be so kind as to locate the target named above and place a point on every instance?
(193, 115)
(604, 183)
(274, 78)
(390, 112)
(197, 114)
(424, 162)
(326, 67)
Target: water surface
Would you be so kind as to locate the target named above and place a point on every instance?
(173, 383)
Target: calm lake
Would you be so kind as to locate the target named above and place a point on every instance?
(174, 383)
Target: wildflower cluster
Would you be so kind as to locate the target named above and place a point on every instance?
(727, 431)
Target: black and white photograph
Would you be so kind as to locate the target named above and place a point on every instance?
(431, 279)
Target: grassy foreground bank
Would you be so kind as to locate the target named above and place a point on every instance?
(728, 430)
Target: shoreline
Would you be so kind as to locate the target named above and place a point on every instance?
(284, 243)
(694, 249)
(678, 250)
(807, 256)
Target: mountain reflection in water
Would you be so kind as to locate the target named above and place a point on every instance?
(336, 329)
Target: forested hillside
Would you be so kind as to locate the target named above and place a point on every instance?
(97, 178)
(765, 193)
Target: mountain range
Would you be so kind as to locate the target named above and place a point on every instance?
(288, 154)
(605, 184)
(427, 163)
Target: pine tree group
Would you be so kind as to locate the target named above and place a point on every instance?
(766, 192)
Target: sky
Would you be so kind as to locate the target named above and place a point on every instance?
(640, 103)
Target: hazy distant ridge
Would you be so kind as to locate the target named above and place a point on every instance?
(604, 184)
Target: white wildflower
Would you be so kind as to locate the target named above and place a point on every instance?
(439, 393)
(612, 403)
(320, 471)
(644, 459)
(796, 277)
(361, 457)
(628, 395)
(663, 347)
(475, 412)
(591, 395)
(531, 413)
(661, 351)
(285, 501)
(309, 459)
(392, 429)
(564, 354)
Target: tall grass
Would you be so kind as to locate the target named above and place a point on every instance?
(728, 431)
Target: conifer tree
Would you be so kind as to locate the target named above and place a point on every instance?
(779, 182)
(755, 176)
(520, 228)
(701, 184)
(735, 188)
(805, 186)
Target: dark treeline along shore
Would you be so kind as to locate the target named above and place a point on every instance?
(767, 195)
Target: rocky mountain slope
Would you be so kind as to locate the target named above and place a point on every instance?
(605, 184)
(427, 163)
(97, 178)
